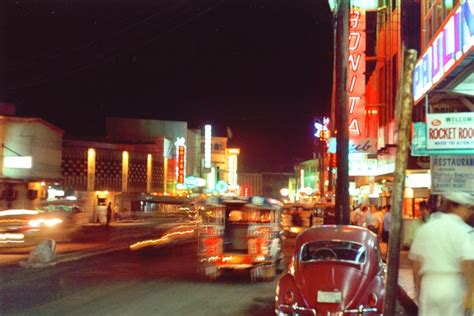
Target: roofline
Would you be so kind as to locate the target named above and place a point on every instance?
(32, 120)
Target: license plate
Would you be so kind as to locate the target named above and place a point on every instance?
(329, 297)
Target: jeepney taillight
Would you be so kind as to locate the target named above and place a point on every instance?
(289, 297)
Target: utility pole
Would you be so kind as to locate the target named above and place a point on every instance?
(342, 128)
(403, 111)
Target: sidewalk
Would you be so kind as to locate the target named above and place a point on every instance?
(406, 285)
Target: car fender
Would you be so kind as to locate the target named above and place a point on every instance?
(286, 283)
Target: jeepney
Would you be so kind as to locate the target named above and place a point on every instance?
(238, 234)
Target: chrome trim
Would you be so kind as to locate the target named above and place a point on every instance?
(361, 310)
(336, 240)
(295, 307)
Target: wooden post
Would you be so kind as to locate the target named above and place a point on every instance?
(403, 114)
(342, 128)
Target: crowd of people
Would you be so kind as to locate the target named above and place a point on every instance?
(374, 218)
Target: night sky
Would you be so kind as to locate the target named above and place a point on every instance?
(261, 67)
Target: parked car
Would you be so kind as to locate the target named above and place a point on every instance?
(335, 270)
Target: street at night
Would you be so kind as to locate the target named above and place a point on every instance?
(247, 157)
(151, 281)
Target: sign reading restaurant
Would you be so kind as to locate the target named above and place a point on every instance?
(452, 173)
(450, 130)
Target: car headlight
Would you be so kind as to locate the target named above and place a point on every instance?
(50, 222)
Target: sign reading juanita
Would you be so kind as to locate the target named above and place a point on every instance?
(452, 173)
(450, 130)
(356, 74)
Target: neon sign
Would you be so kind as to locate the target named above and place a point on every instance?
(232, 171)
(207, 145)
(356, 73)
(321, 126)
(452, 43)
(181, 159)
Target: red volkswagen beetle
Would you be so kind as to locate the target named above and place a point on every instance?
(335, 270)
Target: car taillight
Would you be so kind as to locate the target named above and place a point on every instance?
(372, 300)
(289, 297)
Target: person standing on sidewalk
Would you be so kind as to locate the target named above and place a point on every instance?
(442, 253)
(109, 214)
(386, 223)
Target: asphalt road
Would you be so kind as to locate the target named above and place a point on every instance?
(150, 282)
(159, 281)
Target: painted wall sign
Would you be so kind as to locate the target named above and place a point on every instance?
(450, 130)
(418, 145)
(356, 73)
(448, 47)
(452, 173)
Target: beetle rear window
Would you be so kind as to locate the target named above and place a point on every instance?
(333, 250)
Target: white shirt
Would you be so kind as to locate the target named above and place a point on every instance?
(442, 244)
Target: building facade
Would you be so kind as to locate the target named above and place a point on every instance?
(31, 161)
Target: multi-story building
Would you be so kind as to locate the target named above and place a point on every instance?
(443, 88)
(138, 166)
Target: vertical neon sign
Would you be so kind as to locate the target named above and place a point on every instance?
(207, 145)
(232, 165)
(356, 74)
(181, 159)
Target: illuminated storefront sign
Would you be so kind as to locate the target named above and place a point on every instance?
(207, 145)
(418, 180)
(193, 182)
(449, 46)
(19, 162)
(450, 130)
(356, 74)
(362, 165)
(181, 159)
(419, 140)
(361, 4)
(356, 145)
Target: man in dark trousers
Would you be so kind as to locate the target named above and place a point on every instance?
(109, 213)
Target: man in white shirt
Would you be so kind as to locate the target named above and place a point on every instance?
(442, 254)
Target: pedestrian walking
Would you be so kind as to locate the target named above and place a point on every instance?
(425, 214)
(373, 220)
(109, 213)
(442, 253)
(386, 223)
